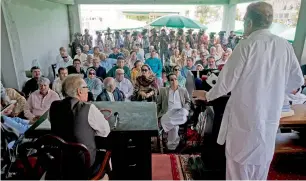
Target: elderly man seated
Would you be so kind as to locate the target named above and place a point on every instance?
(120, 65)
(124, 84)
(57, 84)
(40, 101)
(76, 121)
(110, 92)
(223, 60)
(173, 105)
(31, 85)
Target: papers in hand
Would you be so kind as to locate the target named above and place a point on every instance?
(212, 79)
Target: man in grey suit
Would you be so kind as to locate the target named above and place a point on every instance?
(173, 104)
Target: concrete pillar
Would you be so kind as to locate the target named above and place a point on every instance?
(300, 35)
(74, 20)
(229, 15)
(12, 66)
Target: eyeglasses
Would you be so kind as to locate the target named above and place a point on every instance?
(173, 79)
(85, 87)
(92, 73)
(144, 70)
(176, 69)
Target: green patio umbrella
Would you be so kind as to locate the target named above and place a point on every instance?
(177, 21)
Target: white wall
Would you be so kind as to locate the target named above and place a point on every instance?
(42, 27)
(7, 64)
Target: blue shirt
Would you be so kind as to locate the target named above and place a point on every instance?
(108, 63)
(20, 125)
(156, 66)
(185, 70)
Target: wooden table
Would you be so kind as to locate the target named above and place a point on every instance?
(298, 119)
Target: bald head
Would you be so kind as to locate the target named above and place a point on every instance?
(259, 15)
(109, 84)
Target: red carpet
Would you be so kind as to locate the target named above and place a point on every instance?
(174, 167)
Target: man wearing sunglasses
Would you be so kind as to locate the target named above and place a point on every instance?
(173, 104)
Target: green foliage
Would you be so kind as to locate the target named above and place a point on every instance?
(208, 14)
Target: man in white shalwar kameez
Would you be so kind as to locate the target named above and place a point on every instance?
(261, 70)
(173, 106)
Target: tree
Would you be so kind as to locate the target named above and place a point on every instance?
(207, 14)
(295, 17)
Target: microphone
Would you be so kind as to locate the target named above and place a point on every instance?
(116, 114)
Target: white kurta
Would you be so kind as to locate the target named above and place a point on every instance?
(259, 72)
(175, 116)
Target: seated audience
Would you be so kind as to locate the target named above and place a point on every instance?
(107, 63)
(120, 65)
(93, 83)
(213, 53)
(177, 72)
(183, 61)
(173, 104)
(96, 52)
(139, 54)
(203, 60)
(124, 84)
(40, 101)
(63, 54)
(64, 62)
(164, 77)
(11, 94)
(148, 55)
(131, 60)
(81, 56)
(100, 71)
(199, 67)
(88, 62)
(74, 117)
(107, 51)
(145, 87)
(219, 50)
(31, 85)
(194, 55)
(76, 68)
(136, 71)
(188, 67)
(57, 84)
(124, 51)
(223, 60)
(115, 53)
(175, 58)
(156, 67)
(86, 50)
(110, 92)
(211, 63)
(187, 50)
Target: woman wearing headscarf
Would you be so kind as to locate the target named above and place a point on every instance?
(145, 87)
(219, 50)
(94, 84)
(136, 71)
